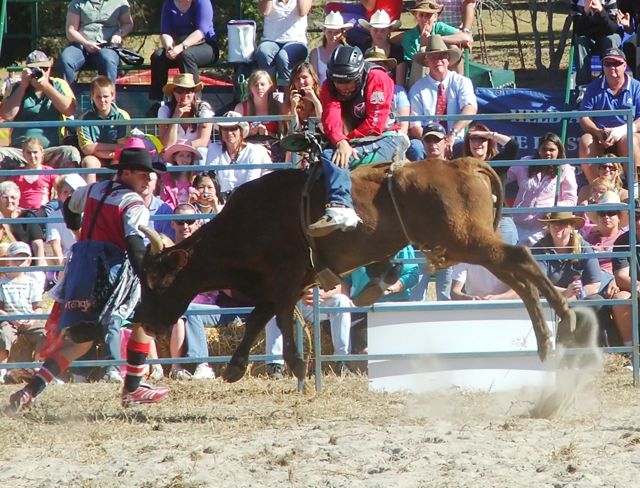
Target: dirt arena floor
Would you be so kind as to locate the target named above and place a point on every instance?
(262, 433)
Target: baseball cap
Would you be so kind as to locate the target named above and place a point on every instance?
(38, 59)
(19, 247)
(74, 181)
(434, 129)
(614, 53)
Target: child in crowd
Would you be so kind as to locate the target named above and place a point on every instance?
(99, 143)
(427, 24)
(35, 190)
(333, 34)
(205, 199)
(176, 187)
(262, 100)
(19, 294)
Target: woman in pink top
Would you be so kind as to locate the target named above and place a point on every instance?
(35, 190)
(537, 187)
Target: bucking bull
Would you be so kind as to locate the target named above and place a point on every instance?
(257, 245)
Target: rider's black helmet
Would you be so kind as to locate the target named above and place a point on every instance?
(346, 64)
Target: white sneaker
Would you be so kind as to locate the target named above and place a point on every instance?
(334, 218)
(156, 373)
(180, 374)
(112, 376)
(3, 372)
(203, 372)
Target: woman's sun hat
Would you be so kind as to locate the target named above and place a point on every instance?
(179, 146)
(576, 221)
(182, 80)
(244, 126)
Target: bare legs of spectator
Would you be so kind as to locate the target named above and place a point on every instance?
(589, 148)
(90, 162)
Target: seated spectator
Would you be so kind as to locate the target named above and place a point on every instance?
(380, 28)
(100, 143)
(475, 282)
(188, 337)
(598, 188)
(176, 187)
(400, 104)
(206, 198)
(188, 40)
(615, 90)
(30, 234)
(459, 13)
(427, 25)
(340, 323)
(629, 23)
(482, 143)
(284, 37)
(234, 149)
(622, 272)
(575, 279)
(609, 178)
(37, 98)
(156, 206)
(595, 29)
(35, 190)
(262, 100)
(353, 12)
(441, 92)
(303, 94)
(537, 187)
(57, 235)
(333, 34)
(91, 25)
(185, 103)
(19, 294)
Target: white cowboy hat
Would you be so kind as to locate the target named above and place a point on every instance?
(334, 20)
(244, 126)
(380, 20)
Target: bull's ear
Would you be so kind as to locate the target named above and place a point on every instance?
(172, 262)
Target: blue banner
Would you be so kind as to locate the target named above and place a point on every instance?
(528, 132)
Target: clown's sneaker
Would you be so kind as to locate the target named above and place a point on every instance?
(143, 394)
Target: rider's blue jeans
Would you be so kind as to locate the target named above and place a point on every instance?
(338, 180)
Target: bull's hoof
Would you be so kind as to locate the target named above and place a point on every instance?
(298, 368)
(233, 373)
(566, 329)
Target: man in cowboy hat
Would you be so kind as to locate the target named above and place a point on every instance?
(427, 25)
(441, 92)
(38, 97)
(615, 90)
(100, 281)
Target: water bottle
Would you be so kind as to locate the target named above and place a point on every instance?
(578, 282)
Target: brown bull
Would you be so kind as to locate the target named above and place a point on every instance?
(256, 245)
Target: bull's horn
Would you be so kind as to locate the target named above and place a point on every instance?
(154, 239)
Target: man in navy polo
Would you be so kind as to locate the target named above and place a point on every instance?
(616, 90)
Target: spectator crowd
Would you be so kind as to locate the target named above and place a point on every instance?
(365, 73)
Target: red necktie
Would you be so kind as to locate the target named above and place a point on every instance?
(441, 103)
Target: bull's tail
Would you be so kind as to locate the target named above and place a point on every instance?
(496, 189)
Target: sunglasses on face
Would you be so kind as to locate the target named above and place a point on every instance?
(477, 139)
(608, 213)
(184, 222)
(608, 167)
(612, 64)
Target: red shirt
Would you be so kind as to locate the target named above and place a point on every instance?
(369, 111)
(392, 7)
(35, 190)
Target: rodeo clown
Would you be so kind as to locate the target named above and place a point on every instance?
(101, 277)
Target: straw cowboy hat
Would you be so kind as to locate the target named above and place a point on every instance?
(436, 45)
(429, 6)
(576, 221)
(181, 146)
(334, 20)
(183, 80)
(377, 56)
(244, 126)
(380, 20)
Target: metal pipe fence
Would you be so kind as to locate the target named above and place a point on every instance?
(318, 357)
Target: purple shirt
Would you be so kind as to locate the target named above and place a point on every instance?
(200, 16)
